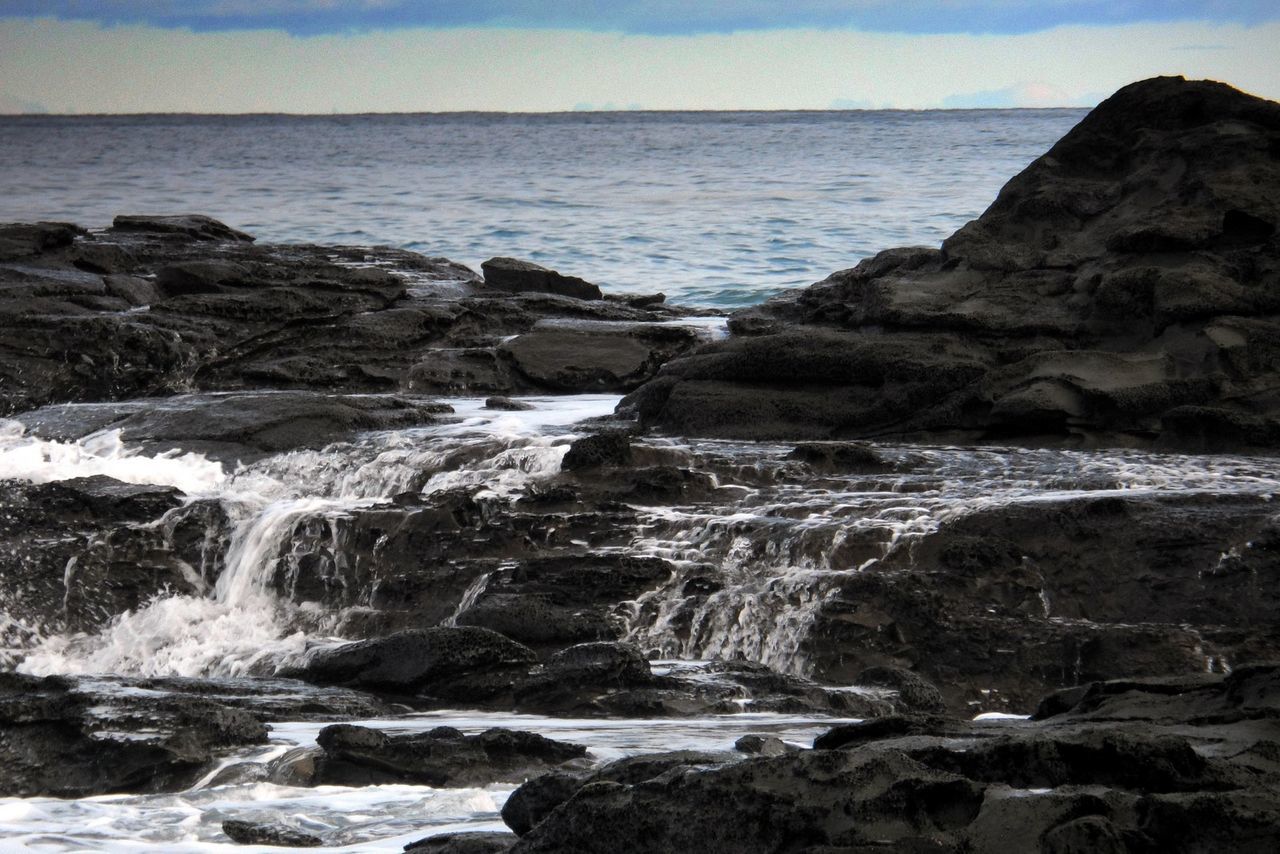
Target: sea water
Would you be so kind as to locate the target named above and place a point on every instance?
(719, 208)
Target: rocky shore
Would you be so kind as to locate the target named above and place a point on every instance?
(1031, 472)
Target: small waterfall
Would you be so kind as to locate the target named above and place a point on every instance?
(469, 597)
(752, 576)
(755, 560)
(243, 627)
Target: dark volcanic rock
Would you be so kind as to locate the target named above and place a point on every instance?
(536, 799)
(358, 756)
(193, 226)
(1121, 290)
(412, 660)
(1014, 601)
(1178, 782)
(251, 833)
(516, 276)
(602, 449)
(477, 842)
(763, 805)
(595, 356)
(20, 240)
(75, 553)
(60, 741)
(162, 305)
(239, 425)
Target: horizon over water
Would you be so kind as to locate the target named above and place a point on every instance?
(720, 208)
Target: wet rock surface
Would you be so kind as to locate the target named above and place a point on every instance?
(250, 833)
(76, 553)
(447, 667)
(1093, 772)
(1119, 291)
(161, 305)
(236, 426)
(58, 740)
(351, 755)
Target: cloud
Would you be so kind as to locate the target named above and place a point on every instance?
(14, 106)
(85, 67)
(1020, 95)
(654, 17)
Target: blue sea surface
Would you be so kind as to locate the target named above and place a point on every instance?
(719, 209)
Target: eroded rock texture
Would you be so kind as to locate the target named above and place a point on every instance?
(1123, 290)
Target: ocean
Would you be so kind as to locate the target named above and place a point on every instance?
(718, 208)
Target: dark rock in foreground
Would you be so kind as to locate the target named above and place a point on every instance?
(61, 742)
(1156, 766)
(1123, 290)
(249, 833)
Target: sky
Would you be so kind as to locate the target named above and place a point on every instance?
(323, 56)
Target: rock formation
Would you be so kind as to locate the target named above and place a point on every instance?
(1124, 290)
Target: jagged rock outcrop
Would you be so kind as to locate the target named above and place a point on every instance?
(75, 553)
(1124, 289)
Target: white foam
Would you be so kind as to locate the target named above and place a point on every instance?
(24, 457)
(365, 819)
(244, 628)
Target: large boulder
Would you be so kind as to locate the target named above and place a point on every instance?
(1121, 290)
(595, 356)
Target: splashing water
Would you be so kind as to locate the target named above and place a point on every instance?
(244, 628)
(754, 560)
(28, 458)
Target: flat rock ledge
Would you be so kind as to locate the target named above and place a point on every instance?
(161, 305)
